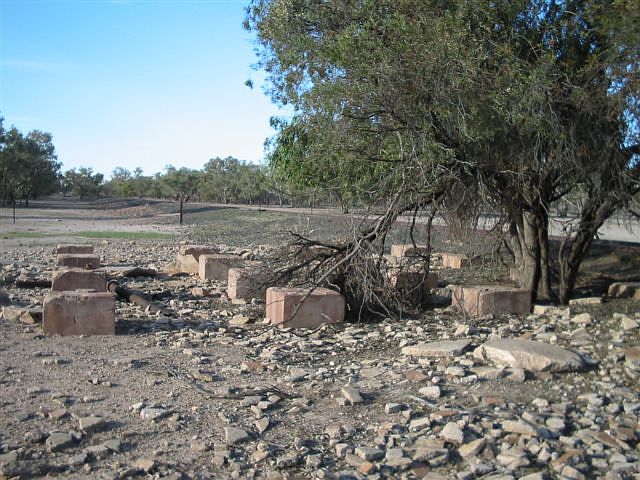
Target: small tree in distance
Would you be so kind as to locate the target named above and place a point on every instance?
(182, 183)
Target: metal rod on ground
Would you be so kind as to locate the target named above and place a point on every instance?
(135, 296)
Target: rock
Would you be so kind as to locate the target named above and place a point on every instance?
(235, 435)
(369, 453)
(446, 348)
(262, 424)
(472, 448)
(586, 301)
(530, 355)
(628, 324)
(58, 441)
(154, 413)
(583, 319)
(145, 464)
(351, 394)
(520, 427)
(431, 393)
(91, 424)
(452, 433)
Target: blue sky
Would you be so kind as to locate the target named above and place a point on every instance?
(133, 83)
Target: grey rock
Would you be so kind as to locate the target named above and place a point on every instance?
(235, 435)
(445, 348)
(452, 433)
(91, 424)
(351, 394)
(59, 441)
(369, 453)
(530, 355)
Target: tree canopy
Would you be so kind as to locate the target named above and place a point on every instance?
(507, 105)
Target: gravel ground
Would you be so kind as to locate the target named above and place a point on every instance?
(211, 392)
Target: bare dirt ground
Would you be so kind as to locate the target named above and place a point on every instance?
(211, 392)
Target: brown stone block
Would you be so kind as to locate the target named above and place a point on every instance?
(87, 261)
(241, 284)
(479, 301)
(77, 278)
(409, 250)
(284, 307)
(74, 248)
(189, 256)
(454, 260)
(79, 313)
(216, 266)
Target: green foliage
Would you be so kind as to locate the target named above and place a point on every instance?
(83, 182)
(509, 105)
(28, 166)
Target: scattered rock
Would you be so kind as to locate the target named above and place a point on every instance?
(530, 355)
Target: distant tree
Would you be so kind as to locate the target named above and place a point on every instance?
(28, 166)
(182, 183)
(83, 182)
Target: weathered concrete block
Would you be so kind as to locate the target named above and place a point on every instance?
(79, 313)
(77, 278)
(410, 280)
(454, 260)
(514, 274)
(409, 250)
(625, 290)
(74, 248)
(284, 307)
(240, 284)
(87, 261)
(216, 266)
(189, 257)
(478, 301)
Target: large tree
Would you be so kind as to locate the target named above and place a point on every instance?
(508, 104)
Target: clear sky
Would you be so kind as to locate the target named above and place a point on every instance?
(133, 83)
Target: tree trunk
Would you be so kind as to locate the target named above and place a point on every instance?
(181, 208)
(573, 250)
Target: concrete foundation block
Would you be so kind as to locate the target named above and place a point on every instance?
(79, 313)
(284, 307)
(188, 259)
(86, 261)
(77, 278)
(216, 266)
(478, 301)
(625, 290)
(409, 250)
(454, 260)
(73, 248)
(240, 284)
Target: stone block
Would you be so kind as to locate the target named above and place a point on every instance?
(73, 248)
(86, 261)
(409, 250)
(188, 260)
(454, 260)
(78, 279)
(284, 307)
(216, 266)
(625, 290)
(405, 280)
(79, 313)
(240, 284)
(478, 301)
